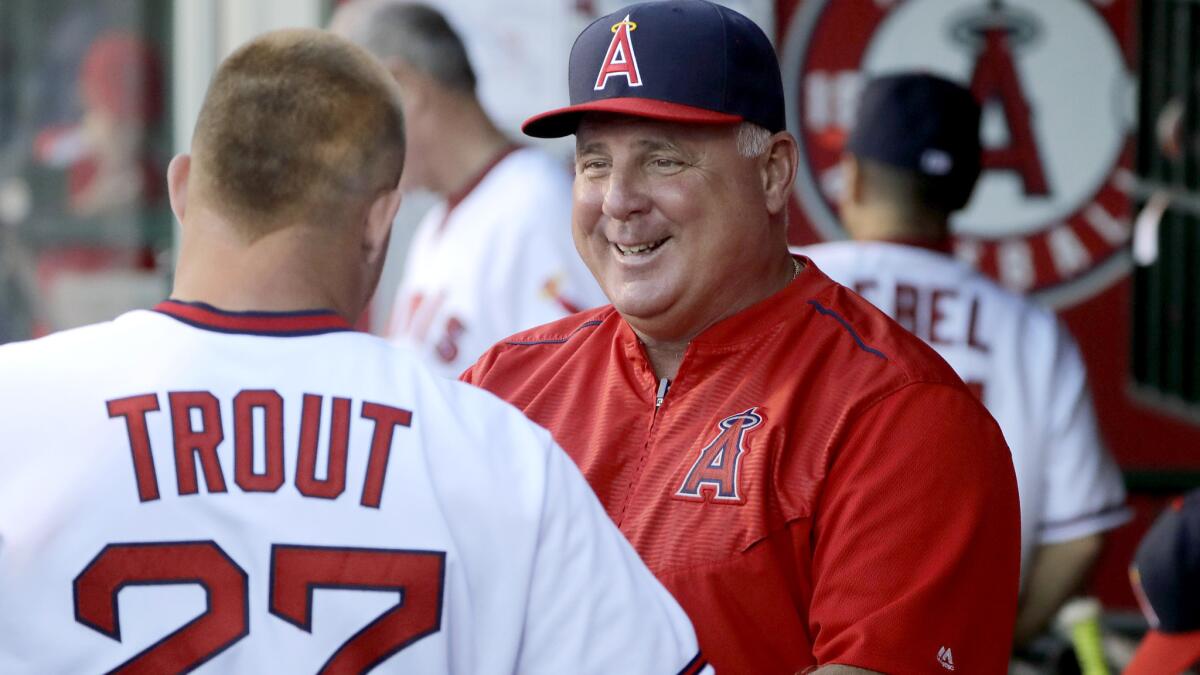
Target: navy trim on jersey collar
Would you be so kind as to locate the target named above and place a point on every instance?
(271, 324)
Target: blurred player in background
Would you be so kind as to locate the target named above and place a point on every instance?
(495, 256)
(777, 450)
(241, 463)
(1166, 580)
(912, 160)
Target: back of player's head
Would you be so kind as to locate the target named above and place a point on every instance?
(415, 34)
(297, 125)
(919, 136)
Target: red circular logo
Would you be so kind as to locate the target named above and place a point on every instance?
(1047, 216)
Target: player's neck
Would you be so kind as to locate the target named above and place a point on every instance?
(290, 269)
(884, 224)
(469, 149)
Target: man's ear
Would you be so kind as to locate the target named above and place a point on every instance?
(413, 85)
(779, 171)
(380, 217)
(177, 183)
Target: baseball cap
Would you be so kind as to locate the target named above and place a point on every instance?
(923, 123)
(689, 61)
(1166, 580)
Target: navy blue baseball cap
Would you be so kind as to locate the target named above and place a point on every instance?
(689, 61)
(922, 123)
(1166, 580)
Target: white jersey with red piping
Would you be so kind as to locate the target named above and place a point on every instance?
(274, 492)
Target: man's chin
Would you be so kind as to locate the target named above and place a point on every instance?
(645, 315)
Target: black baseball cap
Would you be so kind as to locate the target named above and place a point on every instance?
(922, 123)
(689, 61)
(1166, 580)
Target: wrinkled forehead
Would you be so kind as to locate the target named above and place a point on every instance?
(602, 129)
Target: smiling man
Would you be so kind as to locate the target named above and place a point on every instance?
(813, 484)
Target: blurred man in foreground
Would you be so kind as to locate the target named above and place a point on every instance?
(1166, 580)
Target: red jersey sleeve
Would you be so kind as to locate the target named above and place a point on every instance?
(916, 544)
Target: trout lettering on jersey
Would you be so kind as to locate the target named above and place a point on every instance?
(933, 314)
(197, 431)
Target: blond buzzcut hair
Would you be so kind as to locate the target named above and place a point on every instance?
(298, 126)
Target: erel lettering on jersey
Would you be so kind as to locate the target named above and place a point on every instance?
(271, 492)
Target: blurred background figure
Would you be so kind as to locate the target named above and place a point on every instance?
(1166, 580)
(84, 225)
(495, 255)
(911, 161)
(110, 171)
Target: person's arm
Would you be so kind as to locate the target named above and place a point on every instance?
(1083, 493)
(916, 544)
(1057, 572)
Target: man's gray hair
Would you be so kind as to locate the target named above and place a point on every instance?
(752, 139)
(416, 34)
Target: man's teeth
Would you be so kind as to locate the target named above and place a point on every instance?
(638, 248)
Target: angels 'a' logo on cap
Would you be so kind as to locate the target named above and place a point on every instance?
(620, 60)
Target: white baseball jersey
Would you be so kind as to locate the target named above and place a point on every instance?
(1019, 359)
(274, 493)
(495, 261)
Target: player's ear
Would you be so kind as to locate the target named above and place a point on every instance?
(412, 83)
(779, 171)
(177, 183)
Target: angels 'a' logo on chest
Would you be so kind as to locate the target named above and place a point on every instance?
(714, 475)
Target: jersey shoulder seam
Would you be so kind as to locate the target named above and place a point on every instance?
(554, 340)
(825, 311)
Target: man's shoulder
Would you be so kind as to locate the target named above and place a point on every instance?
(570, 333)
(81, 344)
(536, 173)
(868, 341)
(549, 343)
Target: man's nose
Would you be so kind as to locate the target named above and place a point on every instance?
(626, 194)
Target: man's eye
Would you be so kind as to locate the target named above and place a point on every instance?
(666, 163)
(594, 165)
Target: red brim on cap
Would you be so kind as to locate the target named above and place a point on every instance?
(1165, 653)
(563, 121)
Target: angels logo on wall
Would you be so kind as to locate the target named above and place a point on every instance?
(1047, 216)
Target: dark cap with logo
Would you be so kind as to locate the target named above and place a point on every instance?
(689, 61)
(922, 123)
(1166, 580)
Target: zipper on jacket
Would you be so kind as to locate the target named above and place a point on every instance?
(663, 385)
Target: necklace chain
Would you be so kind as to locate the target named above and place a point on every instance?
(795, 269)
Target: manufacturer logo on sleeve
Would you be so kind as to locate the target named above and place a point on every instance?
(946, 658)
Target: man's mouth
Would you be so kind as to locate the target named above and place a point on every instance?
(645, 247)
